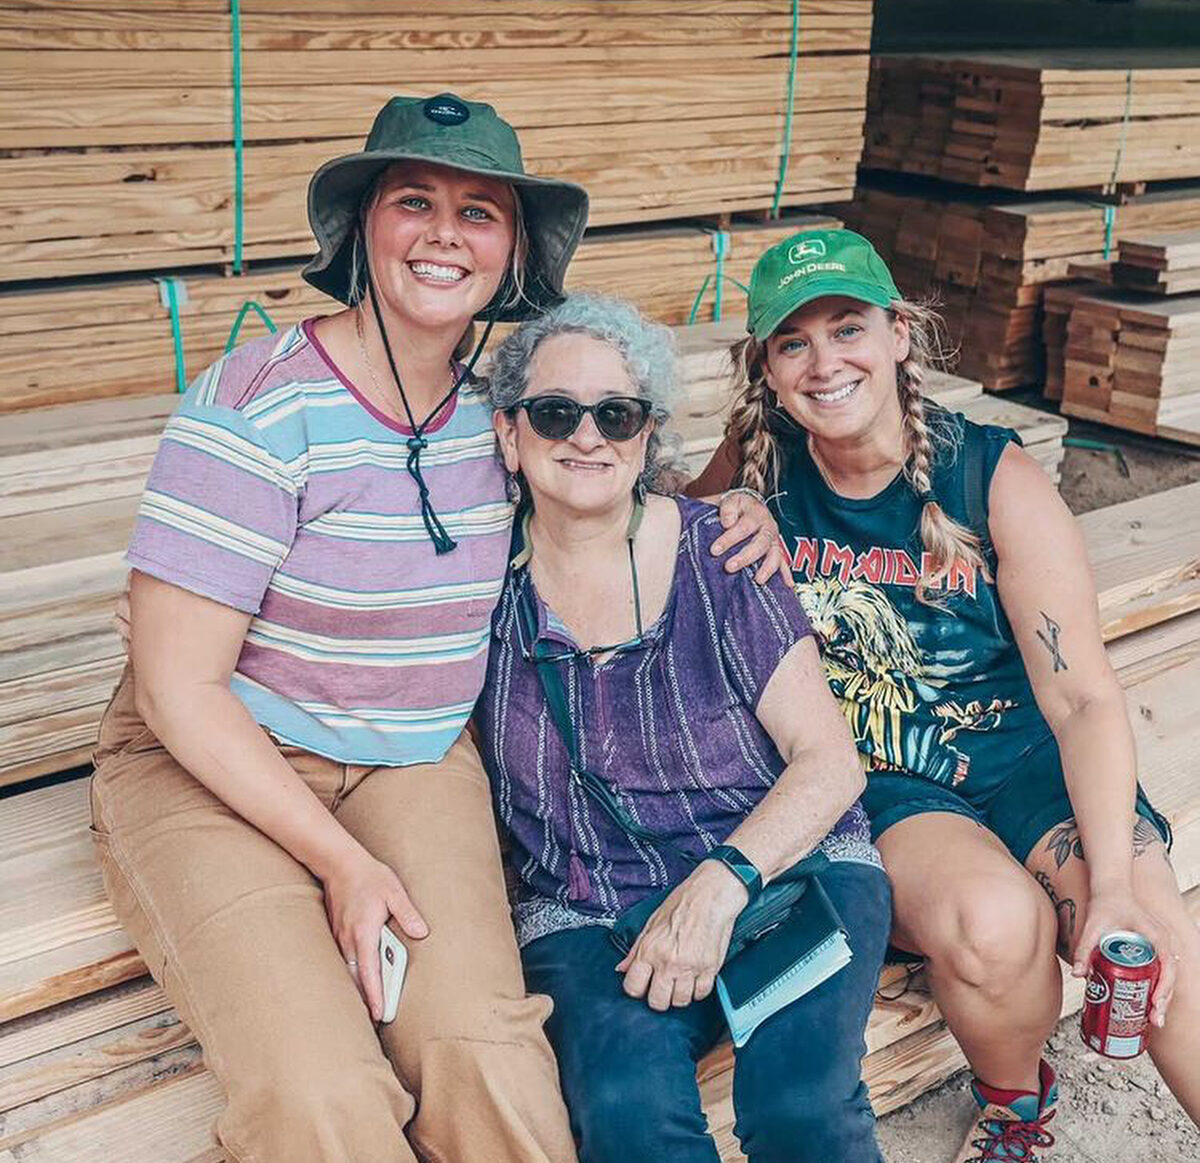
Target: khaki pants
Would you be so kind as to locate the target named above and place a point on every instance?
(234, 929)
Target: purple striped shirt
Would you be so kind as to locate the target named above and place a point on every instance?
(280, 491)
(670, 726)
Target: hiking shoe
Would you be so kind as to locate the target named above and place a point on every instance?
(1011, 1124)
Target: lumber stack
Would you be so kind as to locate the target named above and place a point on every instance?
(1058, 300)
(63, 344)
(117, 124)
(989, 256)
(1131, 361)
(95, 1064)
(1163, 264)
(1037, 120)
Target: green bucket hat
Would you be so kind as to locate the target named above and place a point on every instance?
(810, 266)
(465, 135)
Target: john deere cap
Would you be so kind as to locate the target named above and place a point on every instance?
(810, 266)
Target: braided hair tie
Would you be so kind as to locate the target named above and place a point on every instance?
(927, 498)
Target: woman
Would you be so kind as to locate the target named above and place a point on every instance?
(952, 587)
(284, 769)
(691, 720)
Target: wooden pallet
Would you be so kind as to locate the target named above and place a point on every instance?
(94, 1063)
(116, 125)
(1037, 120)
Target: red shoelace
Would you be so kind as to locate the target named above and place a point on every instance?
(1011, 1140)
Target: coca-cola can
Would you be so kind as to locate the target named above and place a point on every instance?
(1116, 1007)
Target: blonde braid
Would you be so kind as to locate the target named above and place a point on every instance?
(748, 418)
(946, 542)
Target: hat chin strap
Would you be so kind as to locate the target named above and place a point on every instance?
(442, 541)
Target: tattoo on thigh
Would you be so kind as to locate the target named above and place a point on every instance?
(1049, 638)
(1064, 842)
(1064, 908)
(1144, 835)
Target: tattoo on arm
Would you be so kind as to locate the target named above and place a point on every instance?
(1144, 835)
(1049, 639)
(1064, 908)
(1064, 842)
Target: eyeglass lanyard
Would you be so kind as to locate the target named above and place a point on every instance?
(557, 703)
(442, 541)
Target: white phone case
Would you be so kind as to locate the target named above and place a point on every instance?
(393, 960)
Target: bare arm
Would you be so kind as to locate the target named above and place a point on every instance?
(678, 954)
(185, 649)
(1046, 588)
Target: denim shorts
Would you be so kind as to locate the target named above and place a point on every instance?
(1020, 811)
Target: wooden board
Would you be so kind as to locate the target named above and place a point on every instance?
(116, 125)
(1037, 120)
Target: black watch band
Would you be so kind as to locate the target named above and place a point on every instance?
(740, 865)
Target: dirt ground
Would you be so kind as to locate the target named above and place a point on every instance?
(1108, 1110)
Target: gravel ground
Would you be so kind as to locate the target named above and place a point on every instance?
(1108, 1111)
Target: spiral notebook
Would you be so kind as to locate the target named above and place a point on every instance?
(808, 947)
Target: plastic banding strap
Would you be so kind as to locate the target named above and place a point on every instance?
(248, 306)
(791, 100)
(720, 245)
(239, 159)
(1112, 181)
(1110, 218)
(172, 293)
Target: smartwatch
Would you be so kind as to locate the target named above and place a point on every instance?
(740, 865)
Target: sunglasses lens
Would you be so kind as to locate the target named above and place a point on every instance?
(554, 417)
(621, 419)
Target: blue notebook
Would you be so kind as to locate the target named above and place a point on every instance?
(808, 947)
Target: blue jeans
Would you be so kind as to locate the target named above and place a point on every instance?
(629, 1073)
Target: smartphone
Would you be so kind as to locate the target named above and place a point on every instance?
(393, 960)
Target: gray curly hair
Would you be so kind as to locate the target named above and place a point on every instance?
(647, 348)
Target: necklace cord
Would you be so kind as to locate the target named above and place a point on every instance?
(442, 541)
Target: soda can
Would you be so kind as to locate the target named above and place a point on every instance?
(1116, 1007)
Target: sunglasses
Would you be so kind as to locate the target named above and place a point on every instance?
(556, 417)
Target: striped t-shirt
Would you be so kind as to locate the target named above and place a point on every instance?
(280, 491)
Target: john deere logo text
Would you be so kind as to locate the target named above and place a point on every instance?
(810, 248)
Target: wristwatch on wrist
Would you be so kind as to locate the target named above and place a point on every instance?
(740, 865)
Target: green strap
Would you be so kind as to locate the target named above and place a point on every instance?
(791, 97)
(248, 306)
(239, 159)
(716, 279)
(172, 294)
(1112, 181)
(1110, 218)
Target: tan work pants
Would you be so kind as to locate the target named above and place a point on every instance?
(235, 931)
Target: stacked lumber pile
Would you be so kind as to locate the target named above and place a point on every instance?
(117, 124)
(1038, 120)
(1132, 361)
(989, 257)
(1058, 300)
(94, 1063)
(1163, 264)
(69, 343)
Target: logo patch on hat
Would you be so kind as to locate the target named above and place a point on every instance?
(811, 248)
(446, 110)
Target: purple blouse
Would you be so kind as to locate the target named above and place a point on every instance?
(670, 725)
